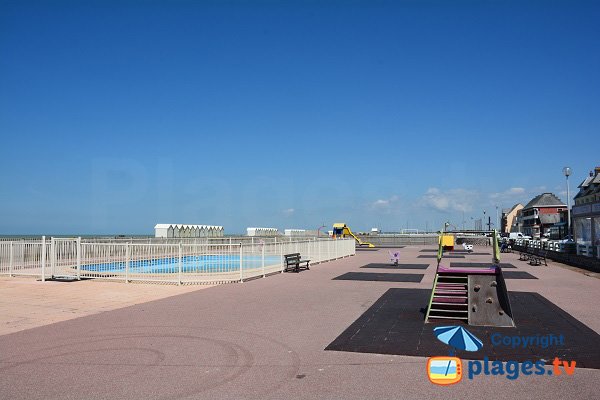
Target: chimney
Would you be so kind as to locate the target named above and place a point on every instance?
(597, 170)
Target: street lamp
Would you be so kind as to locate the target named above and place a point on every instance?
(567, 172)
(497, 227)
(483, 221)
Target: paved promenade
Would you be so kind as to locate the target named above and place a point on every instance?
(27, 303)
(263, 339)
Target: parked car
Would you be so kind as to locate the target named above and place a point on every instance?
(567, 239)
(518, 235)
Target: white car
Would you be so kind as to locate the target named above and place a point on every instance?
(568, 239)
(518, 235)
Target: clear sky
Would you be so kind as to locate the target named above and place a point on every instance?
(117, 115)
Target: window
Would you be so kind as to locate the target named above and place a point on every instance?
(583, 231)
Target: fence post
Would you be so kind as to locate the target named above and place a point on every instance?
(179, 266)
(280, 255)
(52, 256)
(319, 252)
(43, 258)
(241, 271)
(11, 260)
(263, 259)
(79, 258)
(127, 258)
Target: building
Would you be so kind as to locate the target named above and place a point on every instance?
(306, 233)
(262, 231)
(517, 222)
(542, 212)
(586, 215)
(294, 232)
(187, 231)
(559, 230)
(509, 216)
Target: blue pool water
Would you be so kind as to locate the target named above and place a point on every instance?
(199, 264)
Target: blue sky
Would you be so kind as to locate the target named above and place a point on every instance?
(115, 116)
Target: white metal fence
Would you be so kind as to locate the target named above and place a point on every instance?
(558, 246)
(166, 262)
(538, 244)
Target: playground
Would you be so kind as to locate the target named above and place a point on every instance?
(351, 328)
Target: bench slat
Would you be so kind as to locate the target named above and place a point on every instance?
(295, 262)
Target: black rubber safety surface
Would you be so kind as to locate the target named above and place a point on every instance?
(379, 277)
(458, 252)
(478, 265)
(517, 275)
(395, 324)
(399, 266)
(445, 256)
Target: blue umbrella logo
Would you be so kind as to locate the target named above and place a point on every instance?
(458, 337)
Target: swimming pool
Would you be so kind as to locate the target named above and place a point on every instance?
(196, 264)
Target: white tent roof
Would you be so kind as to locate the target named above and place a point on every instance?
(187, 226)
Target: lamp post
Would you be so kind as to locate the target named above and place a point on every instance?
(497, 227)
(483, 221)
(567, 172)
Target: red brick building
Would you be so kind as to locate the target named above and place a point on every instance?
(541, 213)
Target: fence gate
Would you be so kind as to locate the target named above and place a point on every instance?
(65, 258)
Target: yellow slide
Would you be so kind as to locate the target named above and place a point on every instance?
(341, 230)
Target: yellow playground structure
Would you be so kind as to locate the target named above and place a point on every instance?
(447, 241)
(341, 230)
